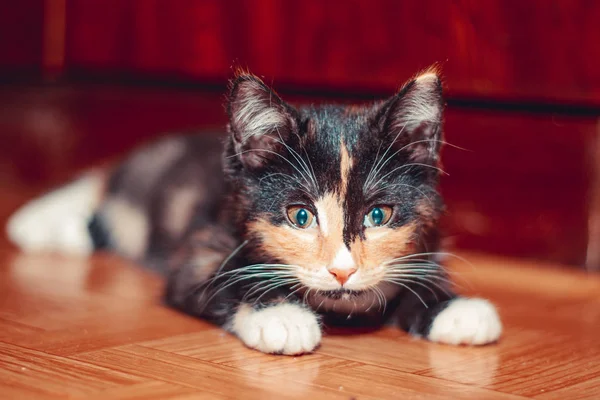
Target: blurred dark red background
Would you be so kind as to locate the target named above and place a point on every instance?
(85, 81)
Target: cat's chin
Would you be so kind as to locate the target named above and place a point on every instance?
(345, 301)
(352, 301)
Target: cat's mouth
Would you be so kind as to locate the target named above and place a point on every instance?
(339, 294)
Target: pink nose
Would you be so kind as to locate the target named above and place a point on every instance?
(342, 275)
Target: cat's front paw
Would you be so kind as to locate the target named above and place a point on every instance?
(281, 328)
(466, 321)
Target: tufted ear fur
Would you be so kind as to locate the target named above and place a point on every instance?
(258, 120)
(413, 119)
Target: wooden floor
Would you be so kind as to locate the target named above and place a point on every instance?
(96, 329)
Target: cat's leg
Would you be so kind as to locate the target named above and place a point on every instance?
(107, 208)
(449, 318)
(58, 221)
(201, 285)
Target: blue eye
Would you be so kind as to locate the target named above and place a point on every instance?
(378, 216)
(300, 217)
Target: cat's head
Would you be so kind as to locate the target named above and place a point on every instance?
(337, 193)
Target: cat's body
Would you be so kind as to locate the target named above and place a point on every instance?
(295, 215)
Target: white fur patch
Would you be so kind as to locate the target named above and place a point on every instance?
(330, 215)
(466, 321)
(58, 221)
(323, 222)
(284, 328)
(343, 259)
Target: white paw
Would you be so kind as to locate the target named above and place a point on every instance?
(466, 321)
(58, 220)
(284, 329)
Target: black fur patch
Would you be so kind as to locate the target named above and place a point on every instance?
(98, 233)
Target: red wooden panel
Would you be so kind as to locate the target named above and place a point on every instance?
(21, 26)
(508, 49)
(522, 185)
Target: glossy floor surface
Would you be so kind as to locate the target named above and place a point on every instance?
(96, 329)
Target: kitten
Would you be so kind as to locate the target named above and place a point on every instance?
(297, 214)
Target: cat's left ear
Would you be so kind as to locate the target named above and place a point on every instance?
(259, 120)
(413, 118)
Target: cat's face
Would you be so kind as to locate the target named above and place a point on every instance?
(337, 193)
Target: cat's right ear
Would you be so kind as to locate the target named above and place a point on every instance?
(412, 119)
(259, 121)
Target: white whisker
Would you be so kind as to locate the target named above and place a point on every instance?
(388, 187)
(408, 166)
(278, 155)
(254, 271)
(290, 177)
(378, 168)
(300, 160)
(230, 256)
(436, 253)
(264, 284)
(273, 286)
(412, 291)
(404, 147)
(293, 290)
(382, 299)
(304, 298)
(413, 282)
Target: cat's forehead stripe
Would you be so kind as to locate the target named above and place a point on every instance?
(345, 165)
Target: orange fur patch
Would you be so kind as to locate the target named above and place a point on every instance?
(345, 165)
(382, 244)
(290, 245)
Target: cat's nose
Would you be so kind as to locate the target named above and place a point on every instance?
(342, 274)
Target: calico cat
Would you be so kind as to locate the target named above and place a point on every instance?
(296, 215)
